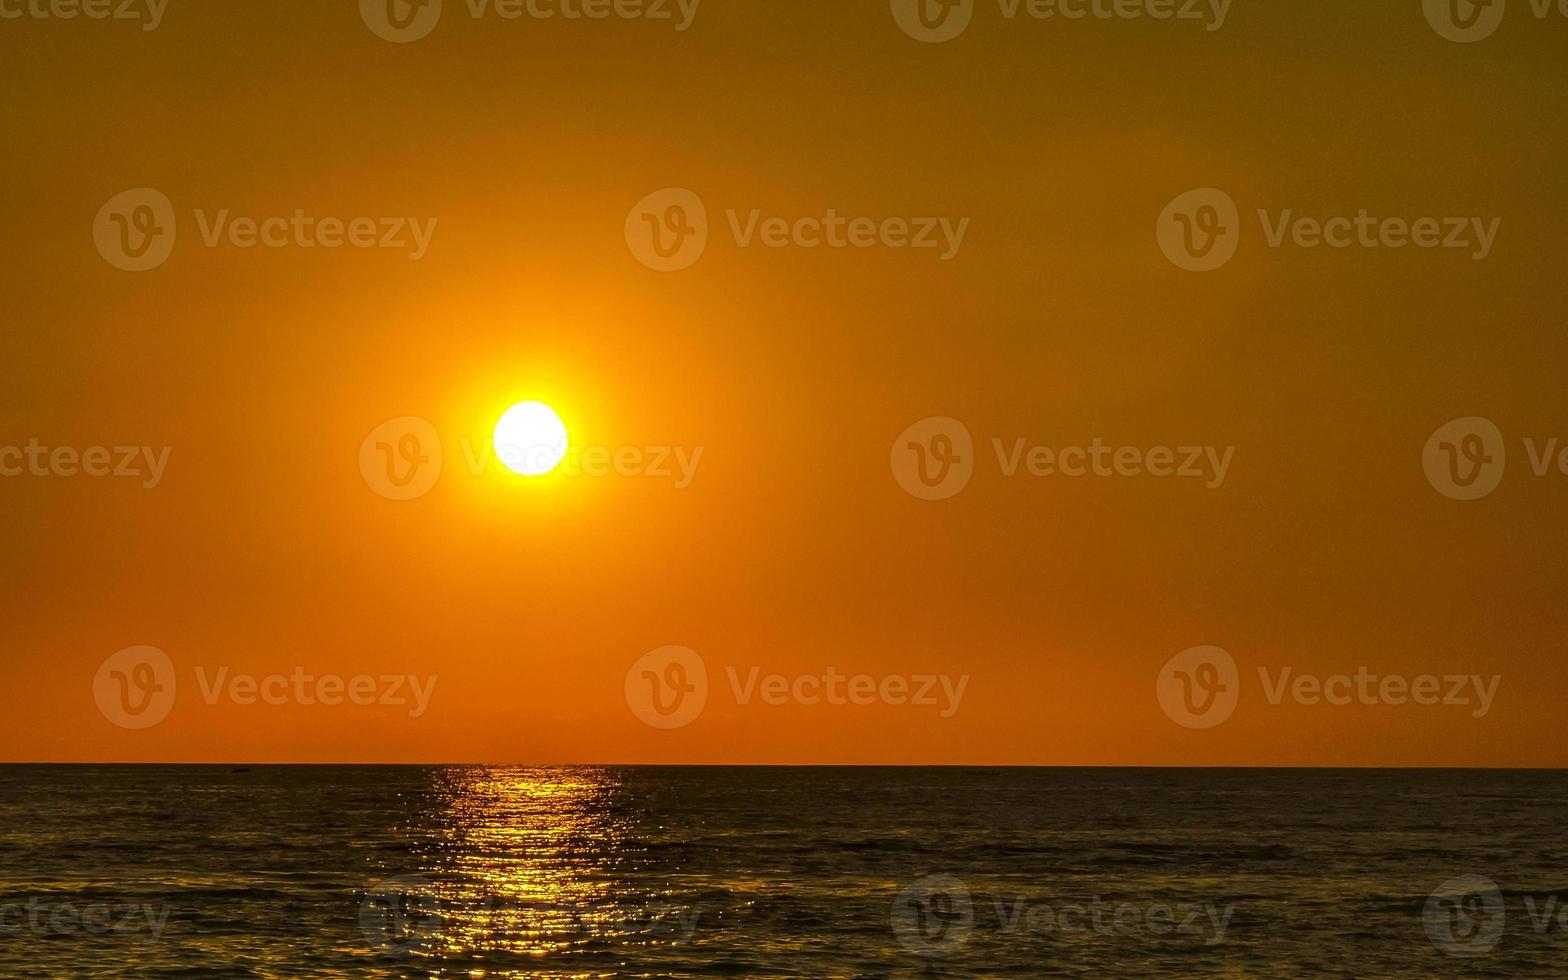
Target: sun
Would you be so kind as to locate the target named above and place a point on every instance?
(530, 439)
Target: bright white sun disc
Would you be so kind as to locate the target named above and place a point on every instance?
(530, 439)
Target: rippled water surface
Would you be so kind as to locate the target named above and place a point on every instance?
(510, 872)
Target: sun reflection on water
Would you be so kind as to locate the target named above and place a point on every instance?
(521, 863)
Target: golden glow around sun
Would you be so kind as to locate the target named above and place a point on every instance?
(530, 439)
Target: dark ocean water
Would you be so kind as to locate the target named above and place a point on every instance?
(652, 872)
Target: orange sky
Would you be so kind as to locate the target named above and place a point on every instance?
(263, 548)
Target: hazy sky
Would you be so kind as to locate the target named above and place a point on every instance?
(521, 148)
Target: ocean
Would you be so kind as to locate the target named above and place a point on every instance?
(478, 871)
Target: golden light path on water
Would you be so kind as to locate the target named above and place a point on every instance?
(525, 863)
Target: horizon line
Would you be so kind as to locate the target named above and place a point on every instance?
(795, 765)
